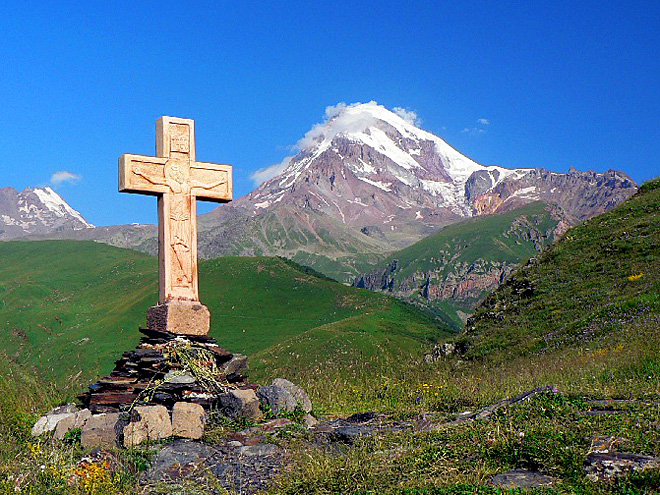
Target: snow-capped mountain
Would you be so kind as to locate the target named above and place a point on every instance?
(36, 211)
(374, 169)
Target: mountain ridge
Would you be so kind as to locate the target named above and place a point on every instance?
(367, 166)
(36, 211)
(453, 269)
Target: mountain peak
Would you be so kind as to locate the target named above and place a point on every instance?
(36, 210)
(357, 122)
(376, 150)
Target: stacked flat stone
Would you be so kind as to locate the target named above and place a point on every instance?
(133, 380)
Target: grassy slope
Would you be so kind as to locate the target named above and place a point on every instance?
(491, 242)
(602, 278)
(473, 239)
(588, 326)
(69, 306)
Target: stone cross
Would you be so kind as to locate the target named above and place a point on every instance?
(177, 179)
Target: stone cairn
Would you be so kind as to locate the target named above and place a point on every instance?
(166, 387)
(152, 374)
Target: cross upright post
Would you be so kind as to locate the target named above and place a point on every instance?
(177, 179)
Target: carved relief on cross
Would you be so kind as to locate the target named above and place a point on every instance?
(177, 179)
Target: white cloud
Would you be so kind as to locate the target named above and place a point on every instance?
(59, 178)
(409, 116)
(342, 123)
(264, 174)
(334, 110)
(483, 121)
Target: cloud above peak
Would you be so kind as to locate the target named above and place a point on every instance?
(341, 118)
(408, 115)
(64, 177)
(265, 174)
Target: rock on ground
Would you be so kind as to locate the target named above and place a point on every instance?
(147, 423)
(240, 404)
(521, 478)
(242, 468)
(278, 399)
(100, 431)
(76, 420)
(188, 420)
(298, 393)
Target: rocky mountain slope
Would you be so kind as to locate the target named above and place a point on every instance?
(455, 268)
(36, 211)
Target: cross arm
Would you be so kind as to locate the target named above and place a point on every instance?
(142, 174)
(211, 181)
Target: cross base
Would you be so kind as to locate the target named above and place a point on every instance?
(177, 316)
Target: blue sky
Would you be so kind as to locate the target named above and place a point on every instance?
(560, 83)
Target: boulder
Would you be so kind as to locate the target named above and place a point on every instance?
(237, 364)
(49, 421)
(147, 423)
(278, 399)
(188, 420)
(99, 431)
(606, 466)
(240, 404)
(77, 420)
(298, 393)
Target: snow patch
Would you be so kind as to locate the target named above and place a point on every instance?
(526, 192)
(379, 185)
(54, 202)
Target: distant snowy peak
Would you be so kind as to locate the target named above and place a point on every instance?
(365, 149)
(36, 211)
(411, 150)
(54, 203)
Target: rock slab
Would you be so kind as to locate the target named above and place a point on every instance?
(147, 423)
(606, 466)
(188, 420)
(100, 431)
(521, 478)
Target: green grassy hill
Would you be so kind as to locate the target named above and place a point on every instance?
(451, 271)
(68, 307)
(600, 283)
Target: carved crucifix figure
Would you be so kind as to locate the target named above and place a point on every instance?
(177, 179)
